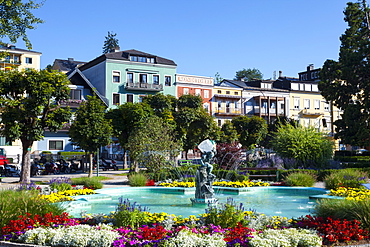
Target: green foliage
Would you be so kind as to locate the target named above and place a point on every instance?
(251, 130)
(15, 203)
(153, 143)
(162, 105)
(90, 130)
(130, 214)
(16, 19)
(248, 74)
(60, 186)
(92, 182)
(30, 103)
(306, 145)
(345, 178)
(189, 101)
(228, 133)
(225, 215)
(126, 118)
(303, 179)
(345, 82)
(110, 43)
(345, 209)
(137, 179)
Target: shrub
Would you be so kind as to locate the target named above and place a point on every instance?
(91, 183)
(60, 187)
(225, 215)
(304, 179)
(137, 179)
(345, 209)
(345, 178)
(16, 203)
(130, 214)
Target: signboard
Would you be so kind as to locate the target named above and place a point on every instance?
(195, 80)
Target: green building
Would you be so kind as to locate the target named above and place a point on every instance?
(127, 76)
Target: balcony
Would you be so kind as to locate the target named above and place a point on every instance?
(228, 111)
(311, 113)
(263, 111)
(10, 62)
(227, 96)
(73, 103)
(140, 86)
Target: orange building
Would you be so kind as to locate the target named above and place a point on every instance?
(196, 85)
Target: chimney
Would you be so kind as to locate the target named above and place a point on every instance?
(116, 49)
(310, 67)
(280, 73)
(71, 60)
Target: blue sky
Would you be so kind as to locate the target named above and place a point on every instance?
(202, 36)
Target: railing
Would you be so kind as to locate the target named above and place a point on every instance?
(71, 102)
(265, 111)
(228, 111)
(144, 86)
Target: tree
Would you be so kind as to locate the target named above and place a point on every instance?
(30, 102)
(228, 133)
(218, 78)
(273, 128)
(126, 118)
(16, 19)
(251, 130)
(306, 145)
(110, 43)
(248, 75)
(162, 105)
(153, 143)
(346, 83)
(90, 129)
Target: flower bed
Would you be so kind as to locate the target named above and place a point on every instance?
(356, 194)
(237, 184)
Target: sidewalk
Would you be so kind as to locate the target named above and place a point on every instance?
(117, 178)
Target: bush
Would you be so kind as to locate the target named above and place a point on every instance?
(225, 215)
(345, 209)
(130, 214)
(16, 203)
(304, 179)
(345, 178)
(91, 183)
(137, 179)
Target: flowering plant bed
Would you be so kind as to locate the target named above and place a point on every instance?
(237, 184)
(357, 194)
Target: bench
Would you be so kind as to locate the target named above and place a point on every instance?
(275, 173)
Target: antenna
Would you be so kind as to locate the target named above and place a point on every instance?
(366, 14)
(274, 75)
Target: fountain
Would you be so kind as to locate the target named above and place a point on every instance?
(204, 193)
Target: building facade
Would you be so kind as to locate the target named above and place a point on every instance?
(196, 85)
(16, 58)
(128, 76)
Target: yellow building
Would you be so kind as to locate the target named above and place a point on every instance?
(13, 57)
(226, 103)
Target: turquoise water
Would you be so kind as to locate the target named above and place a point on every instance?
(283, 201)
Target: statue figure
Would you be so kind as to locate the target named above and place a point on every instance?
(204, 178)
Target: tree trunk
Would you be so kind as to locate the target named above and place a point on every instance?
(26, 162)
(91, 166)
(124, 159)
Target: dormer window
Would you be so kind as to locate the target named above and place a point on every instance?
(142, 59)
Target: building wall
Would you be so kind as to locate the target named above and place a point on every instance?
(227, 103)
(96, 75)
(20, 59)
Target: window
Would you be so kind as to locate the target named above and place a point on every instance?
(186, 90)
(236, 93)
(16, 59)
(143, 78)
(236, 105)
(219, 91)
(116, 99)
(130, 77)
(4, 142)
(167, 80)
(206, 106)
(55, 145)
(116, 76)
(206, 94)
(133, 58)
(150, 60)
(197, 92)
(156, 79)
(29, 60)
(219, 104)
(75, 94)
(142, 59)
(130, 98)
(326, 106)
(317, 104)
(306, 104)
(296, 103)
(227, 92)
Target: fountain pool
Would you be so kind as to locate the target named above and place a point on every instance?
(282, 201)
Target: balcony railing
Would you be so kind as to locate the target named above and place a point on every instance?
(71, 103)
(312, 112)
(140, 86)
(10, 61)
(228, 111)
(265, 111)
